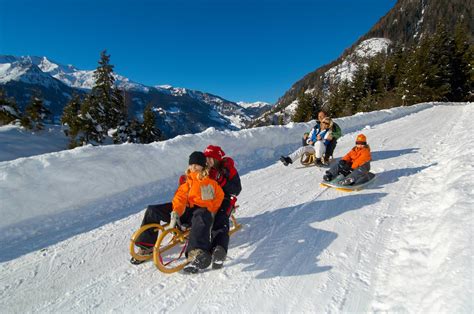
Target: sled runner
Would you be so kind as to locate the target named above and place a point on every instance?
(170, 247)
(335, 183)
(308, 160)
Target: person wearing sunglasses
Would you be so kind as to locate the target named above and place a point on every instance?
(317, 141)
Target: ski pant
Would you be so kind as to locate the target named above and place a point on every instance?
(330, 148)
(318, 150)
(199, 218)
(200, 234)
(154, 214)
(359, 174)
(220, 228)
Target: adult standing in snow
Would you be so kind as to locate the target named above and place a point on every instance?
(355, 165)
(318, 139)
(196, 201)
(222, 169)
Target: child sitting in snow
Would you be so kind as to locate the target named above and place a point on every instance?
(355, 165)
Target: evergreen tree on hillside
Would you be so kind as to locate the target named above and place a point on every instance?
(72, 120)
(150, 133)
(339, 100)
(359, 89)
(35, 114)
(462, 79)
(103, 111)
(91, 130)
(118, 117)
(8, 109)
(308, 107)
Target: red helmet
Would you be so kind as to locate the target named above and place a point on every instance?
(214, 152)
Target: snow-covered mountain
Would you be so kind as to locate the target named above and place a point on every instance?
(404, 25)
(358, 58)
(180, 110)
(401, 245)
(341, 71)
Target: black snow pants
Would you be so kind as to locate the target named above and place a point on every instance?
(199, 218)
(330, 148)
(154, 214)
(220, 229)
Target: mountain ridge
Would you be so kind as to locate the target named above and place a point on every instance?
(25, 76)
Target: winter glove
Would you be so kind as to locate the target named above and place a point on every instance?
(174, 220)
(182, 179)
(232, 206)
(344, 167)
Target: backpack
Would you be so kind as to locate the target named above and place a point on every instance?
(336, 131)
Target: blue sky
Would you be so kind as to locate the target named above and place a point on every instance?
(237, 49)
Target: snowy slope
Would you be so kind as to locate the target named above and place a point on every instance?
(404, 244)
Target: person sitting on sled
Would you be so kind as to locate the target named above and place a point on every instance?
(222, 169)
(354, 166)
(336, 134)
(318, 139)
(195, 203)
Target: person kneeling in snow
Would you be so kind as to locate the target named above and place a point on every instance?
(195, 203)
(222, 169)
(355, 165)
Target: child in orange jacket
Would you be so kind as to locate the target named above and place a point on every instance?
(354, 166)
(195, 203)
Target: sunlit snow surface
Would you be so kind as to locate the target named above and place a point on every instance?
(402, 245)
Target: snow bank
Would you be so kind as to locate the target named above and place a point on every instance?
(16, 142)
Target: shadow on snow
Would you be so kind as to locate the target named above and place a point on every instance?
(387, 154)
(286, 243)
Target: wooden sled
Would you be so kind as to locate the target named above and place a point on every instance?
(170, 247)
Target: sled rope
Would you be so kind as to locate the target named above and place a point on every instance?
(180, 255)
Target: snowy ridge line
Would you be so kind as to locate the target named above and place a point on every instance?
(104, 171)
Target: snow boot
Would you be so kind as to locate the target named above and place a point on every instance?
(143, 252)
(318, 162)
(286, 160)
(218, 257)
(200, 259)
(327, 177)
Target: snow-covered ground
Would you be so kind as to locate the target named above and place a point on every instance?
(404, 244)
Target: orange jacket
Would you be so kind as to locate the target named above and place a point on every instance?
(358, 156)
(204, 193)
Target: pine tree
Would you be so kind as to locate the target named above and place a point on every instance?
(462, 79)
(35, 114)
(308, 107)
(103, 111)
(92, 131)
(134, 131)
(72, 121)
(8, 109)
(150, 133)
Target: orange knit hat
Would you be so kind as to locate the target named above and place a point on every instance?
(361, 139)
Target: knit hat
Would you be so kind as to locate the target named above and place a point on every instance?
(214, 152)
(197, 158)
(361, 139)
